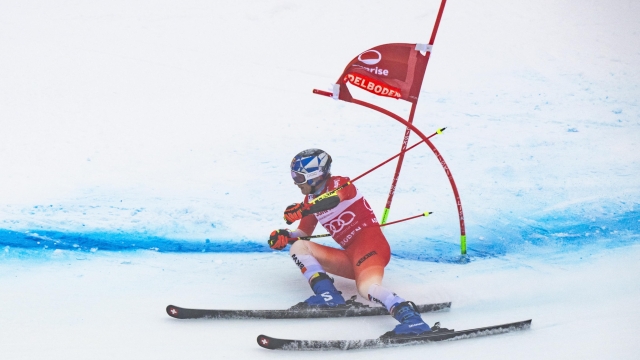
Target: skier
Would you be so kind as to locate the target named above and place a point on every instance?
(348, 218)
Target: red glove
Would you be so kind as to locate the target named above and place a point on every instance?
(295, 212)
(279, 239)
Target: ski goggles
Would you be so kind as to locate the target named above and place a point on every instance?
(302, 178)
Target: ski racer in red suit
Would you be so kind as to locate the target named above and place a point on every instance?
(348, 218)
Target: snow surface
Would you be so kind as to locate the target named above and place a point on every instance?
(144, 149)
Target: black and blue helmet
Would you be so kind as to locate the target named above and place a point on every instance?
(311, 166)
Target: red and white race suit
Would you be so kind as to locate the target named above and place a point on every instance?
(345, 221)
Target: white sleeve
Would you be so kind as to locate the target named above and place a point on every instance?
(297, 233)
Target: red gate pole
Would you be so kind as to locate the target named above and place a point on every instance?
(394, 182)
(463, 234)
(396, 175)
(456, 195)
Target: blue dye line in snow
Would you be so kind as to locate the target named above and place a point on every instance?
(52, 240)
(557, 233)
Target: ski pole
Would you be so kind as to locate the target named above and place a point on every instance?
(439, 131)
(425, 214)
(333, 192)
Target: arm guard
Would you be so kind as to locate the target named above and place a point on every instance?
(322, 205)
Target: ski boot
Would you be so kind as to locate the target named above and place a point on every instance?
(326, 295)
(410, 321)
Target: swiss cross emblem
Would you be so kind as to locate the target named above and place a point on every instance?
(264, 341)
(174, 311)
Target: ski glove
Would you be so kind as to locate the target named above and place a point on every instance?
(295, 212)
(279, 239)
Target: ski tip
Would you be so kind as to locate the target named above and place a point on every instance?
(173, 311)
(264, 341)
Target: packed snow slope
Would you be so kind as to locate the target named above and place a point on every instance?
(137, 135)
(108, 305)
(150, 125)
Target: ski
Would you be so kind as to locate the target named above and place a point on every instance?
(352, 309)
(439, 334)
